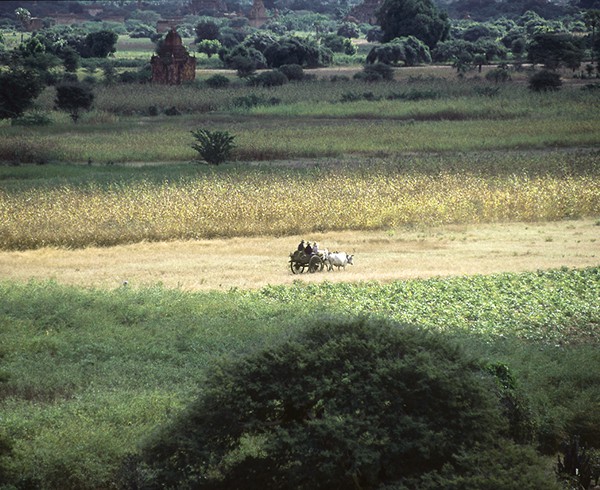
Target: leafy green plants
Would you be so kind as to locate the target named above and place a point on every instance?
(88, 374)
(217, 81)
(346, 403)
(545, 81)
(213, 146)
(73, 98)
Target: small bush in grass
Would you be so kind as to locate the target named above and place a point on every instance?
(498, 75)
(172, 111)
(292, 72)
(32, 119)
(545, 81)
(375, 72)
(346, 403)
(274, 78)
(217, 81)
(213, 146)
(253, 100)
(74, 98)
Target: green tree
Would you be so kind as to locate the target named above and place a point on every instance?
(98, 44)
(19, 87)
(555, 49)
(338, 44)
(419, 18)
(409, 50)
(207, 30)
(345, 403)
(208, 47)
(545, 81)
(74, 98)
(71, 59)
(24, 17)
(293, 50)
(592, 22)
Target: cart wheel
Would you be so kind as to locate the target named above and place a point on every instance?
(296, 268)
(315, 264)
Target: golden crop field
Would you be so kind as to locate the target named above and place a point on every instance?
(282, 202)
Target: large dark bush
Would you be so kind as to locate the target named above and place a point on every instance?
(545, 81)
(217, 81)
(375, 72)
(292, 72)
(408, 50)
(293, 50)
(74, 98)
(272, 78)
(346, 403)
(18, 89)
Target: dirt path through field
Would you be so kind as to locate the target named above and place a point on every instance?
(379, 255)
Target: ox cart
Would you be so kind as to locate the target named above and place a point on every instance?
(301, 261)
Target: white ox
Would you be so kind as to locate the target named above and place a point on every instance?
(338, 259)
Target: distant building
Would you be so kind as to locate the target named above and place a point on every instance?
(164, 25)
(205, 7)
(35, 24)
(173, 65)
(258, 14)
(366, 11)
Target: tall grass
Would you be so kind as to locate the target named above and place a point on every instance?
(276, 138)
(242, 201)
(309, 120)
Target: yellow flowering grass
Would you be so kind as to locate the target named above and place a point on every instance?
(281, 202)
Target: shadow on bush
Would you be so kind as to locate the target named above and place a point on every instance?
(345, 403)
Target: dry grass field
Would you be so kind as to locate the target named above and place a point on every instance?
(255, 262)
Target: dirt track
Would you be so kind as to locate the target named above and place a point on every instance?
(255, 262)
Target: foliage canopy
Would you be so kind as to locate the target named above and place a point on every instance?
(419, 18)
(18, 89)
(346, 403)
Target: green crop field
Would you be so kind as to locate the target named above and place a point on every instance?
(87, 374)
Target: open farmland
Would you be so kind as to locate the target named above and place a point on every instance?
(127, 270)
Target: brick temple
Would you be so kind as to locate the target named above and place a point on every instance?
(258, 14)
(366, 11)
(173, 65)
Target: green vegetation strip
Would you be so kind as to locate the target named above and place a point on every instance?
(87, 374)
(307, 120)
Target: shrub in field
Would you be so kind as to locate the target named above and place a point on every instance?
(346, 403)
(213, 146)
(375, 72)
(339, 44)
(292, 72)
(6, 447)
(253, 100)
(297, 51)
(545, 81)
(498, 75)
(18, 90)
(217, 81)
(273, 78)
(73, 98)
(410, 50)
(34, 118)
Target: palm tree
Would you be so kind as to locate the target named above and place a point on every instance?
(24, 17)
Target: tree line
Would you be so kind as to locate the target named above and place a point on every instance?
(407, 33)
